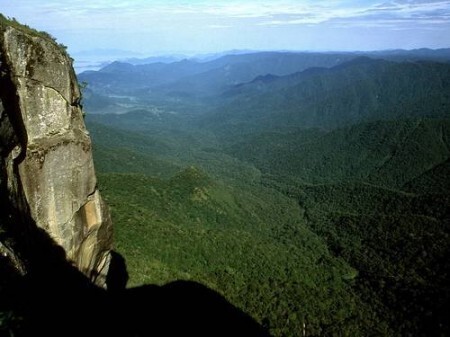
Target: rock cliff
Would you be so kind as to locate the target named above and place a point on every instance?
(46, 167)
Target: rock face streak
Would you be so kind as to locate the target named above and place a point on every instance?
(46, 160)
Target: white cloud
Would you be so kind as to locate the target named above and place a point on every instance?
(265, 13)
(166, 23)
(219, 26)
(390, 13)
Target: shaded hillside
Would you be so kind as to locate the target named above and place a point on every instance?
(258, 237)
(378, 152)
(397, 242)
(249, 243)
(357, 91)
(165, 147)
(435, 179)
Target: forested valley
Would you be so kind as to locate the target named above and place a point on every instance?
(309, 189)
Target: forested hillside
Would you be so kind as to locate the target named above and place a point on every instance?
(357, 91)
(377, 152)
(315, 198)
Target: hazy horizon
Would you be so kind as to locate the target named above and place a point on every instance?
(148, 28)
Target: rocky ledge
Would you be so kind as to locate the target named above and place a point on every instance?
(46, 167)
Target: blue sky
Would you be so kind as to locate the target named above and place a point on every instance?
(153, 27)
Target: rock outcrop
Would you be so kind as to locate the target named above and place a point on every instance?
(46, 166)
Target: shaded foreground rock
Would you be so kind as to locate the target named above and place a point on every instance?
(46, 164)
(55, 299)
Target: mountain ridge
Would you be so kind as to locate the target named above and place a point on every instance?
(361, 90)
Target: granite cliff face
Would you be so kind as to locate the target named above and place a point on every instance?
(46, 165)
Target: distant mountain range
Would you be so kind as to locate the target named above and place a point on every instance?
(229, 70)
(277, 89)
(96, 59)
(232, 69)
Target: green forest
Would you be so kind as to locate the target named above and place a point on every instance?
(337, 252)
(335, 227)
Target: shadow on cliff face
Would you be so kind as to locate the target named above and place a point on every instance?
(54, 299)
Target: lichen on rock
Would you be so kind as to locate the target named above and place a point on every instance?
(46, 161)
